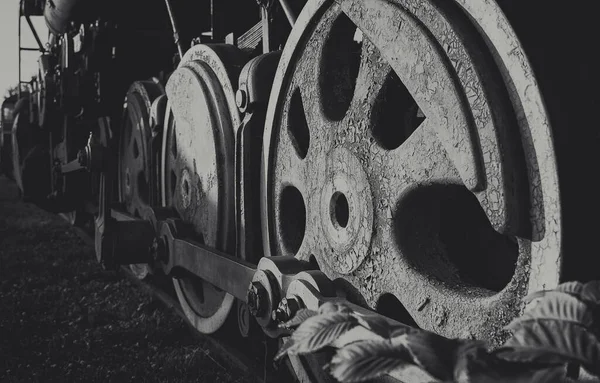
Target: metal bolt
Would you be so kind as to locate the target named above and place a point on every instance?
(257, 299)
(288, 307)
(241, 99)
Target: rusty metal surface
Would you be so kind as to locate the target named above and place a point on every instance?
(421, 133)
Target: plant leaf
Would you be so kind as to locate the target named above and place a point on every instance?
(368, 359)
(285, 348)
(381, 326)
(586, 376)
(317, 332)
(433, 353)
(536, 295)
(555, 342)
(573, 287)
(462, 359)
(549, 375)
(591, 292)
(334, 307)
(301, 316)
(477, 365)
(561, 306)
(547, 293)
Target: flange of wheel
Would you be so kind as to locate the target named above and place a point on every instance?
(406, 149)
(135, 154)
(197, 177)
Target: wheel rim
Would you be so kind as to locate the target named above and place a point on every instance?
(390, 210)
(135, 154)
(197, 176)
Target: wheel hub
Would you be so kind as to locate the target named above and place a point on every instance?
(346, 211)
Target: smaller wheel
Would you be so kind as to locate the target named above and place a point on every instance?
(135, 177)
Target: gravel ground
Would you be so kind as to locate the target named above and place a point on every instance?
(64, 319)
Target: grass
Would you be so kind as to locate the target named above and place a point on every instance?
(64, 319)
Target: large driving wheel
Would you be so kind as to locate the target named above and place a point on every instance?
(198, 166)
(408, 150)
(135, 169)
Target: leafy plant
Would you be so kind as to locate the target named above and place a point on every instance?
(555, 340)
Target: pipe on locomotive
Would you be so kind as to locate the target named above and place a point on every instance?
(289, 12)
(180, 49)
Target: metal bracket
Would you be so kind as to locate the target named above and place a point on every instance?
(252, 97)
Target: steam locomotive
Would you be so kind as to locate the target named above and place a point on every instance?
(421, 159)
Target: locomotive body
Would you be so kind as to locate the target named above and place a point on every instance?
(416, 157)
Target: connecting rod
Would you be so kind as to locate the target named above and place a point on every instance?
(274, 289)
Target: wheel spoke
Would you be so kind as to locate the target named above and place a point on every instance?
(373, 75)
(480, 139)
(307, 99)
(290, 168)
(421, 160)
(426, 75)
